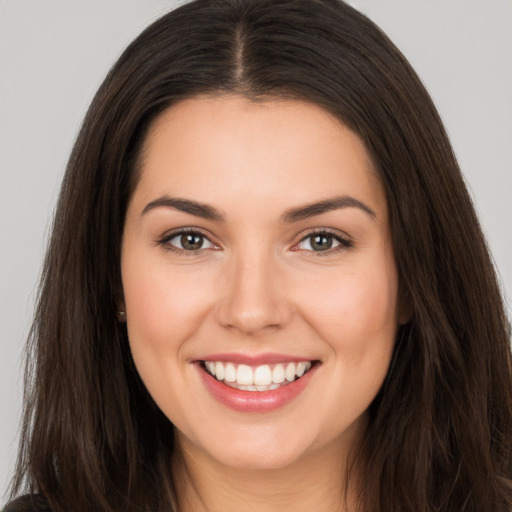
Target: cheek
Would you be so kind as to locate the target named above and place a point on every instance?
(354, 303)
(163, 307)
(357, 319)
(163, 310)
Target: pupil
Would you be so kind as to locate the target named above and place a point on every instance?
(321, 242)
(191, 242)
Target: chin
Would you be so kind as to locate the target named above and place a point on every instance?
(275, 458)
(264, 447)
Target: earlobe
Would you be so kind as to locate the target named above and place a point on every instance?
(121, 311)
(120, 304)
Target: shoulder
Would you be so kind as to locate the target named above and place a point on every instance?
(28, 503)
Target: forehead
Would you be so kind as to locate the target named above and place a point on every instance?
(229, 147)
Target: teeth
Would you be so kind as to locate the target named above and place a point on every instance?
(259, 378)
(263, 375)
(230, 375)
(301, 368)
(219, 371)
(278, 374)
(244, 375)
(290, 372)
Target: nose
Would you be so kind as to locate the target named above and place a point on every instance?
(254, 299)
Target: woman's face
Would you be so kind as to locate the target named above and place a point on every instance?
(256, 247)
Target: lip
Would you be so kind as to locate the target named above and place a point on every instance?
(254, 401)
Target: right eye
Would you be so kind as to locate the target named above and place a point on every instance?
(189, 241)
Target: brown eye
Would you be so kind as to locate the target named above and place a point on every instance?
(189, 241)
(323, 242)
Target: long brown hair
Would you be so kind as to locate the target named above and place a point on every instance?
(439, 434)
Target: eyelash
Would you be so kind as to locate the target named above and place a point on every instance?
(166, 239)
(344, 242)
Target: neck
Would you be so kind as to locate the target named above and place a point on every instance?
(317, 483)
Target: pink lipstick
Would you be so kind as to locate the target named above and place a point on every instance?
(255, 384)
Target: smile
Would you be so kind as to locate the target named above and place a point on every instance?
(255, 386)
(260, 378)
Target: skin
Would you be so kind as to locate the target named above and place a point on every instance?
(257, 286)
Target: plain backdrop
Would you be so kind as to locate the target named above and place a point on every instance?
(54, 54)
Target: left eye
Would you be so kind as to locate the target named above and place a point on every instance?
(190, 241)
(321, 242)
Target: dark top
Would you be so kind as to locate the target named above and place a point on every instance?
(28, 503)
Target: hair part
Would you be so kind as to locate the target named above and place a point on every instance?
(439, 434)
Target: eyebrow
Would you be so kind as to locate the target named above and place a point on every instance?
(202, 210)
(327, 205)
(208, 212)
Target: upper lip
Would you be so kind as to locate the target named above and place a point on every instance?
(254, 360)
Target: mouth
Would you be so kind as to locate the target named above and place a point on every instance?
(261, 378)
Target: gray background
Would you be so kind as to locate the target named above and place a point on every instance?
(54, 54)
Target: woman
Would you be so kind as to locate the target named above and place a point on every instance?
(265, 285)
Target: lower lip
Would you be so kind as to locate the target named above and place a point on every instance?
(255, 401)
